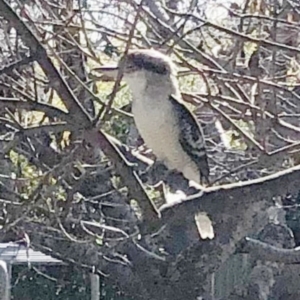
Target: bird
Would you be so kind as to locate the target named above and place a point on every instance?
(166, 124)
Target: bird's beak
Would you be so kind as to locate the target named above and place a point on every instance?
(109, 72)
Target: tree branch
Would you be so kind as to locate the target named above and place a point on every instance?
(39, 52)
(217, 199)
(81, 119)
(264, 251)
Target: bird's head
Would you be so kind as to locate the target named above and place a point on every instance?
(143, 67)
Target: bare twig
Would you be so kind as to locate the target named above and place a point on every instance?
(265, 251)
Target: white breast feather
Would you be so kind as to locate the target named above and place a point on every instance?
(157, 125)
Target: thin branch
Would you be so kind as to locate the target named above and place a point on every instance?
(48, 109)
(22, 62)
(242, 36)
(120, 71)
(81, 119)
(265, 251)
(39, 52)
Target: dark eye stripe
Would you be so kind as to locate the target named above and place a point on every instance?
(130, 68)
(148, 64)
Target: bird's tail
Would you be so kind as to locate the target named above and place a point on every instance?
(204, 225)
(203, 222)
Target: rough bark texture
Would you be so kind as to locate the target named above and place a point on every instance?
(85, 198)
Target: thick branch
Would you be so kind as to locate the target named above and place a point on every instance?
(129, 176)
(231, 196)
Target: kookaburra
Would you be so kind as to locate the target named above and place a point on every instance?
(166, 125)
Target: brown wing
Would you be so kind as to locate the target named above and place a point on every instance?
(191, 137)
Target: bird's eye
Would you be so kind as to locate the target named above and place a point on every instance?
(130, 68)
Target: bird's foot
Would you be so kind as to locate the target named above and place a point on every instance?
(198, 187)
(176, 181)
(155, 173)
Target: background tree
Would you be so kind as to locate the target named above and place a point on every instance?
(74, 172)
